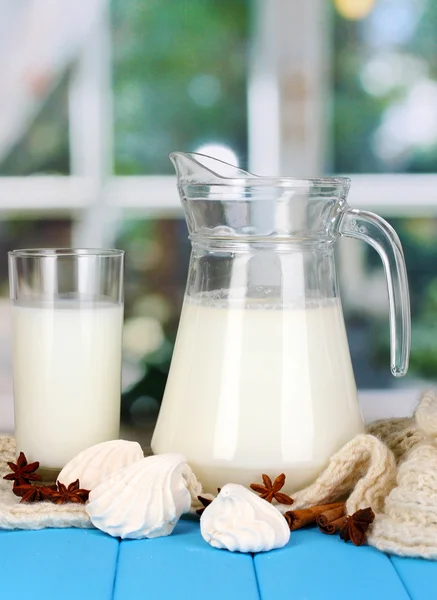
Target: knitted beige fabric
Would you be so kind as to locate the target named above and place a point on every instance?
(364, 469)
(14, 515)
(400, 435)
(408, 524)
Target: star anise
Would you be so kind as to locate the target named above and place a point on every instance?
(356, 526)
(73, 493)
(22, 472)
(270, 491)
(206, 502)
(33, 493)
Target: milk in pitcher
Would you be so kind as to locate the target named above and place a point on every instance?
(256, 388)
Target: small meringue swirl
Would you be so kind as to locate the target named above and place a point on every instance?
(144, 500)
(239, 521)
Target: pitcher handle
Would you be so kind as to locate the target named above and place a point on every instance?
(378, 233)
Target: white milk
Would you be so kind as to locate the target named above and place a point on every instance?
(67, 364)
(259, 390)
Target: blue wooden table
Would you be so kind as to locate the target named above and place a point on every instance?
(74, 564)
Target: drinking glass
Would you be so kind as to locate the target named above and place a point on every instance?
(67, 318)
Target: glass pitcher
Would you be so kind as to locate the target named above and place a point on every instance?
(261, 379)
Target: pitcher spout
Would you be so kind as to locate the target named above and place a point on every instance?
(200, 169)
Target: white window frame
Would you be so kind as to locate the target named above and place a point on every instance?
(289, 74)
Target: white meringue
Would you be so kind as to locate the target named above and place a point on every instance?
(97, 463)
(145, 499)
(237, 520)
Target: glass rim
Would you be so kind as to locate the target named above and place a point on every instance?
(267, 181)
(61, 252)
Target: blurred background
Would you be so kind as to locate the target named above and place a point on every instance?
(94, 95)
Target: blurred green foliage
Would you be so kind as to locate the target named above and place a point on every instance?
(157, 254)
(402, 37)
(419, 241)
(424, 340)
(180, 71)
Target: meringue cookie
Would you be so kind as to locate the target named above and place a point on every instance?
(97, 463)
(237, 520)
(145, 499)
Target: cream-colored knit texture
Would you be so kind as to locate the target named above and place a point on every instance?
(408, 524)
(14, 515)
(400, 435)
(364, 469)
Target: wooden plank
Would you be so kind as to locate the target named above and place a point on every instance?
(419, 576)
(314, 566)
(183, 566)
(57, 563)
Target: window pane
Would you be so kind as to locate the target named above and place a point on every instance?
(385, 86)
(366, 306)
(180, 71)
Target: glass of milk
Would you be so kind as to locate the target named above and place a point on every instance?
(261, 379)
(67, 318)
